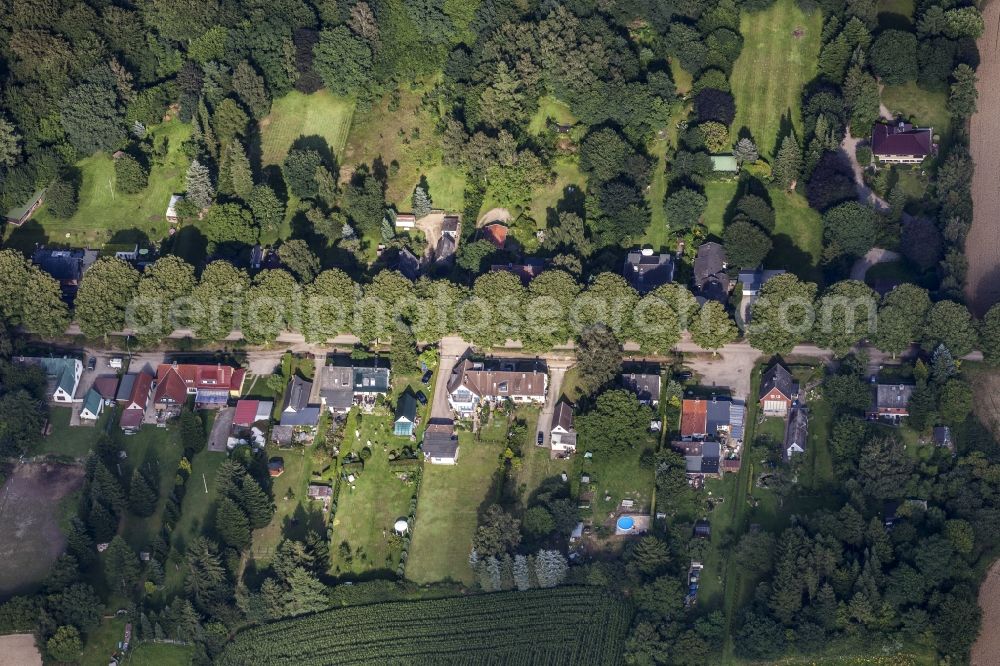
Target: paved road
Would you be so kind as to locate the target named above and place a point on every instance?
(876, 255)
(220, 429)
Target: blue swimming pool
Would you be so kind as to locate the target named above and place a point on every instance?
(626, 523)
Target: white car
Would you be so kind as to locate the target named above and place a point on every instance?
(115, 363)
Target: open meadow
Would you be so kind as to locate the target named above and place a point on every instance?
(779, 54)
(296, 115)
(448, 512)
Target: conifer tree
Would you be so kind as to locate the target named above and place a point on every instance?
(232, 524)
(788, 164)
(141, 497)
(421, 203)
(200, 191)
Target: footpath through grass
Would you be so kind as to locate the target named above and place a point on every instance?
(780, 49)
(447, 513)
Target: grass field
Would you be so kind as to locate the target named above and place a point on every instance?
(104, 212)
(159, 654)
(404, 134)
(768, 77)
(545, 199)
(719, 194)
(288, 506)
(74, 442)
(797, 236)
(447, 513)
(550, 107)
(927, 108)
(367, 509)
(298, 115)
(616, 477)
(103, 642)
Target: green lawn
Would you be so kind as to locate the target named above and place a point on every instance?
(288, 506)
(546, 198)
(104, 212)
(921, 107)
(447, 513)
(103, 642)
(367, 509)
(682, 78)
(550, 107)
(900, 7)
(719, 194)
(768, 77)
(74, 442)
(797, 236)
(657, 234)
(817, 469)
(160, 654)
(298, 115)
(615, 477)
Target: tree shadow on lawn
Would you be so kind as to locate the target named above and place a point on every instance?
(572, 201)
(787, 255)
(26, 237)
(319, 144)
(785, 128)
(302, 521)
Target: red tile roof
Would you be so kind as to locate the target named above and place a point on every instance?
(131, 419)
(174, 380)
(694, 417)
(495, 233)
(140, 391)
(246, 412)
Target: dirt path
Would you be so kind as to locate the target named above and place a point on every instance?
(495, 215)
(986, 651)
(982, 247)
(849, 146)
(876, 255)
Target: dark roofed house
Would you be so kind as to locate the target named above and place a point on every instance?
(296, 410)
(406, 414)
(891, 401)
(444, 253)
(702, 529)
(902, 143)
(563, 435)
(646, 271)
(942, 437)
(336, 388)
(106, 386)
(777, 391)
(711, 281)
(645, 386)
(65, 266)
(409, 265)
(701, 458)
(440, 445)
(796, 432)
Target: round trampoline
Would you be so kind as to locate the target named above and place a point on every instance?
(626, 523)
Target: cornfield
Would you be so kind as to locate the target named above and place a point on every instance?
(561, 626)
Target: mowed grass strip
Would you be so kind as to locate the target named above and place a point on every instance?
(447, 513)
(296, 114)
(779, 55)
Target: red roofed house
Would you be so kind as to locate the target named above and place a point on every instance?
(901, 143)
(211, 385)
(495, 233)
(249, 412)
(694, 418)
(134, 403)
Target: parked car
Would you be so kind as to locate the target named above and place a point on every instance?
(421, 398)
(91, 363)
(684, 375)
(540, 439)
(426, 379)
(115, 363)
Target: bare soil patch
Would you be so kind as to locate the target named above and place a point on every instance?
(986, 651)
(982, 247)
(30, 538)
(19, 650)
